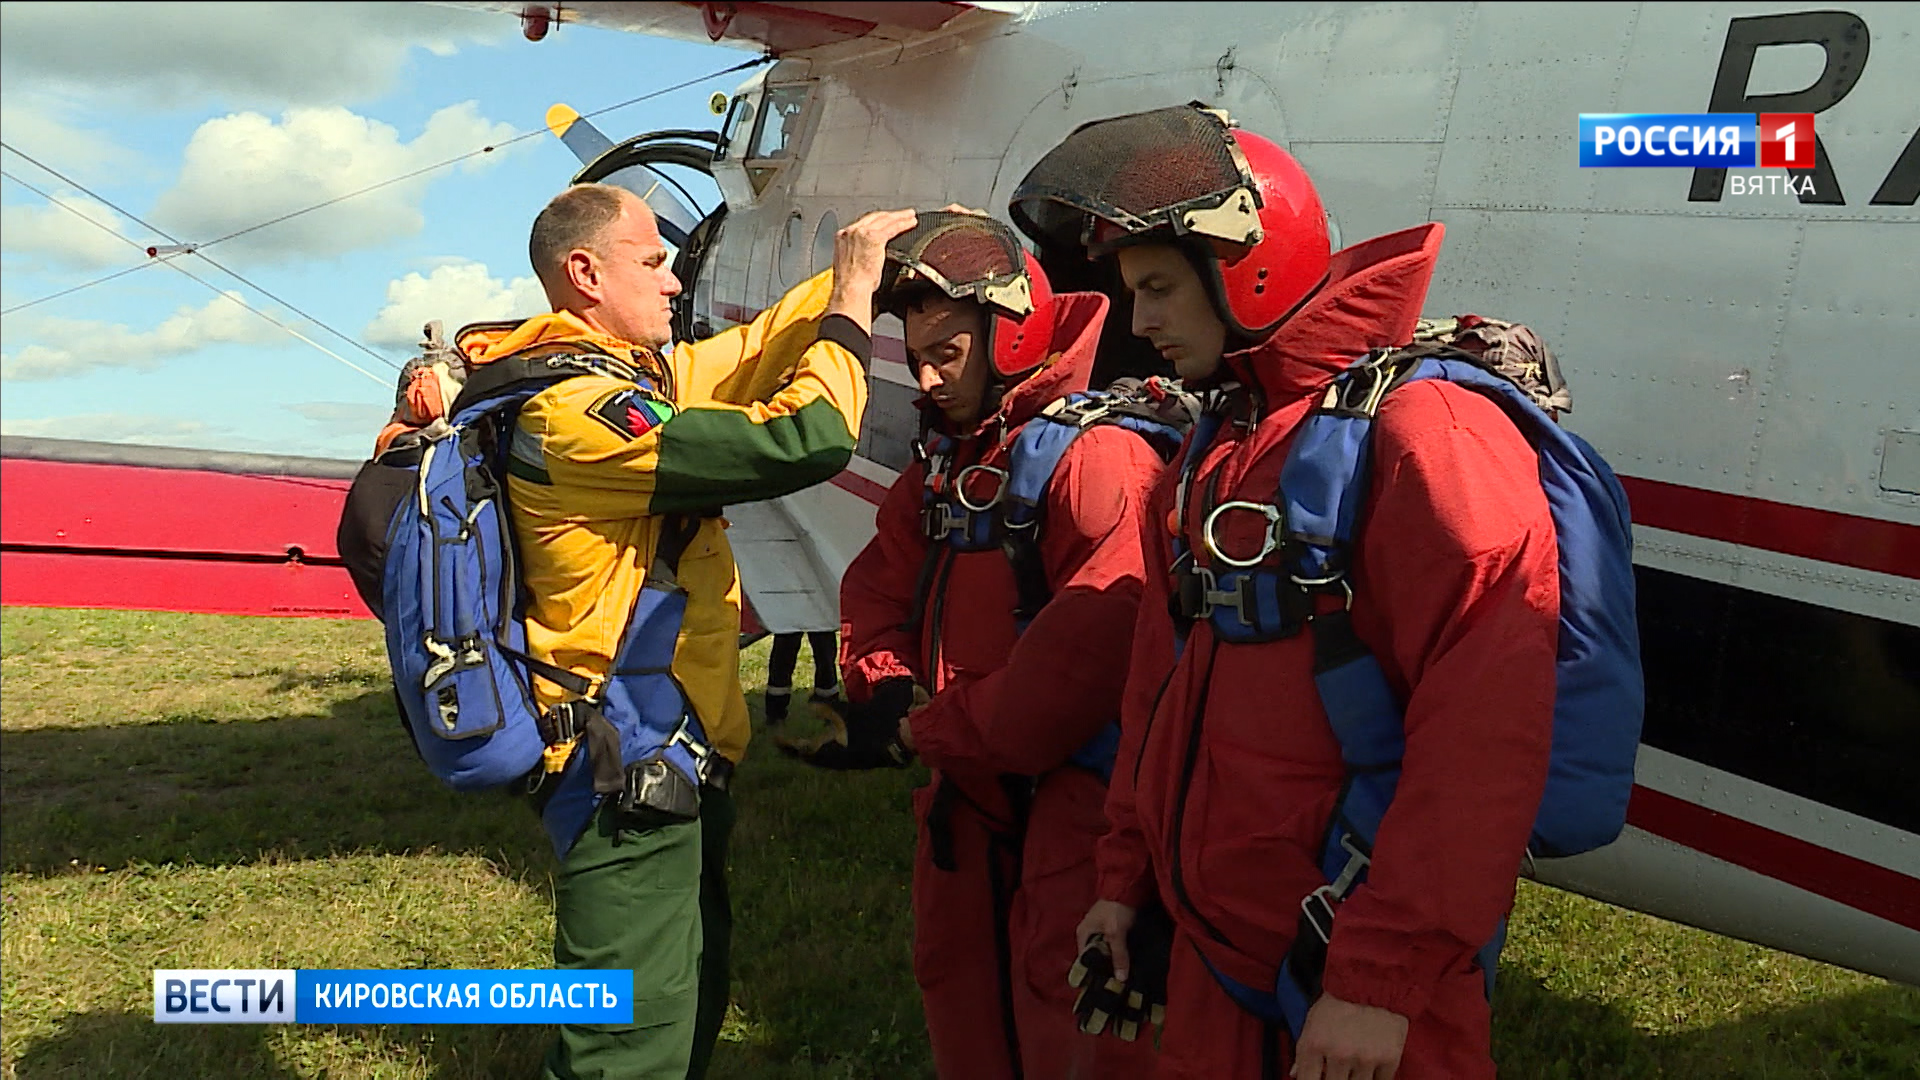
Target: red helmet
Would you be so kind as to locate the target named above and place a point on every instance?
(1184, 175)
(968, 256)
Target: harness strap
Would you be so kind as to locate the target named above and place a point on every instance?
(940, 825)
(538, 363)
(1003, 880)
(922, 591)
(1022, 548)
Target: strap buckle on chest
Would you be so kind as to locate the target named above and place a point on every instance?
(1199, 594)
(940, 520)
(1269, 540)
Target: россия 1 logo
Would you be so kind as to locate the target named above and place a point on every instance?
(1696, 140)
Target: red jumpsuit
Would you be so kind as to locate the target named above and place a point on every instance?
(1014, 704)
(1226, 779)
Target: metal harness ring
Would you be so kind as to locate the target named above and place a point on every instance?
(960, 488)
(1269, 543)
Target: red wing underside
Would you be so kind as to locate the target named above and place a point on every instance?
(96, 525)
(106, 534)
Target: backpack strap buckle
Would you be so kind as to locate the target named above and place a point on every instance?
(1316, 908)
(1269, 541)
(566, 722)
(1082, 413)
(1316, 911)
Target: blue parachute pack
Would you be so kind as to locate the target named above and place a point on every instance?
(1155, 409)
(457, 641)
(1306, 553)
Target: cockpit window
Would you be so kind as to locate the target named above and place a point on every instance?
(779, 121)
(739, 116)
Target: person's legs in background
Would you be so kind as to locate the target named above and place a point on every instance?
(826, 664)
(780, 663)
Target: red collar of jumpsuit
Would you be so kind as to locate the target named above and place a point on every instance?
(1011, 704)
(1227, 777)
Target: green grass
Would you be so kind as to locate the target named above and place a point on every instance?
(187, 791)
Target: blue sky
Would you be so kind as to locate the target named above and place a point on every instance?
(205, 119)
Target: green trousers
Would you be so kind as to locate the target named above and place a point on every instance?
(643, 892)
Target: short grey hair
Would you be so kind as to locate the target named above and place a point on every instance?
(575, 218)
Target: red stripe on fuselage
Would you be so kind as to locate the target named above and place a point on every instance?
(859, 485)
(1864, 886)
(1886, 547)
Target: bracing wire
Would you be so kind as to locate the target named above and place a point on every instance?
(255, 286)
(200, 248)
(169, 261)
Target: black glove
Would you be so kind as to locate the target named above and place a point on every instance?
(1105, 1003)
(863, 736)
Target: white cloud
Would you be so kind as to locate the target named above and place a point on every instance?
(355, 420)
(245, 168)
(88, 345)
(455, 293)
(42, 125)
(52, 236)
(109, 427)
(167, 55)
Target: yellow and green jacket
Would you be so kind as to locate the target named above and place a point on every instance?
(758, 411)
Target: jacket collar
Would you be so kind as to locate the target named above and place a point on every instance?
(484, 343)
(1371, 300)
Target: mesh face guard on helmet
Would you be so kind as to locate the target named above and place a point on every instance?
(1173, 169)
(970, 257)
(965, 256)
(1240, 205)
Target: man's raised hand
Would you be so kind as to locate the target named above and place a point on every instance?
(859, 254)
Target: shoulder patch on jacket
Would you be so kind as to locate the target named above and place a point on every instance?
(629, 413)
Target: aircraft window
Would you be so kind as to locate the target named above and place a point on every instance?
(823, 233)
(792, 251)
(779, 121)
(740, 115)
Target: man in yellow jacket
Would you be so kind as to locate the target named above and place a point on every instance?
(598, 466)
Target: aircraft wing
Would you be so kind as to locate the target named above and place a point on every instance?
(101, 525)
(776, 28)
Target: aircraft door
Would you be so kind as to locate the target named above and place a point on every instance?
(673, 171)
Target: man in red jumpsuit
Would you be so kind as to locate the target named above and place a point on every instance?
(1005, 866)
(1228, 770)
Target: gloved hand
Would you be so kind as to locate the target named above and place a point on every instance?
(863, 736)
(1106, 1003)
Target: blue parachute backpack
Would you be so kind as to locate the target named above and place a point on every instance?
(1155, 409)
(1600, 695)
(457, 643)
(451, 592)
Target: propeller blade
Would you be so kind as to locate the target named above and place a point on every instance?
(578, 133)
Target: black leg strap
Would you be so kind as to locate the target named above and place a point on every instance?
(940, 826)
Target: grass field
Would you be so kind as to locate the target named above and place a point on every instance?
(187, 791)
